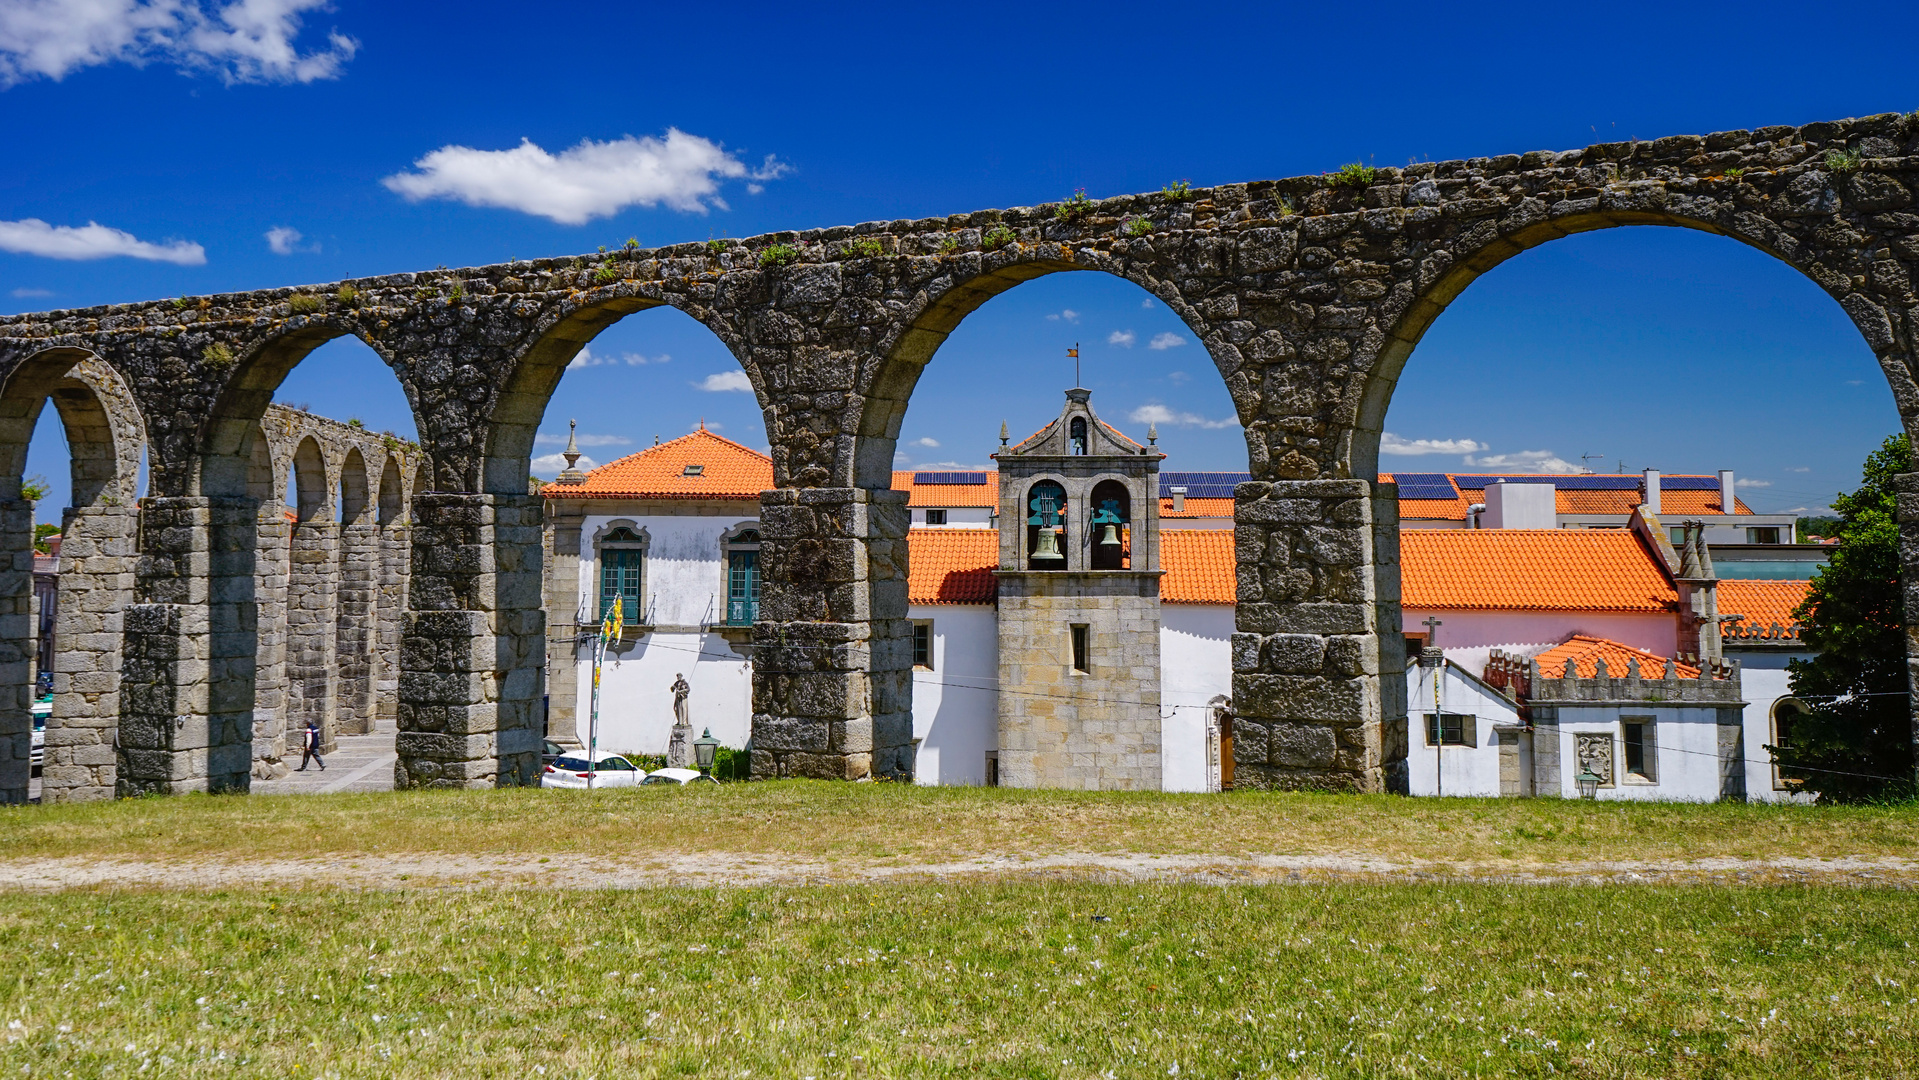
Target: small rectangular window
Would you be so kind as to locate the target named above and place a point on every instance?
(1450, 729)
(992, 768)
(1642, 750)
(936, 517)
(1768, 535)
(693, 470)
(1079, 648)
(923, 646)
(1677, 533)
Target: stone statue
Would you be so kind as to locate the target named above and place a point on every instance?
(679, 745)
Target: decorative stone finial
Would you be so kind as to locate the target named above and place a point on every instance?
(1152, 434)
(1002, 433)
(571, 474)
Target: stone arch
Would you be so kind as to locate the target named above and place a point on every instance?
(888, 378)
(313, 486)
(1521, 230)
(521, 401)
(392, 497)
(105, 437)
(353, 488)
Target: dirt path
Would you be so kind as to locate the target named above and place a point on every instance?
(666, 871)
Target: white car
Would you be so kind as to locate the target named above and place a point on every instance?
(42, 710)
(570, 771)
(677, 776)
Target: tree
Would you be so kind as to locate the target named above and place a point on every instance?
(1855, 742)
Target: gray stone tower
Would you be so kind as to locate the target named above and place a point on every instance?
(1079, 607)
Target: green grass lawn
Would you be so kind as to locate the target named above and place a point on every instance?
(1025, 980)
(922, 824)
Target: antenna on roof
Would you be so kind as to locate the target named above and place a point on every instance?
(1590, 458)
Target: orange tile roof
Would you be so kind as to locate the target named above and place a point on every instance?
(1198, 508)
(1625, 502)
(1764, 603)
(1432, 509)
(1586, 651)
(1531, 569)
(952, 566)
(1199, 566)
(948, 495)
(727, 471)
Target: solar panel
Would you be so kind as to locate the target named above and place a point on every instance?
(1202, 485)
(1689, 483)
(1586, 482)
(959, 478)
(1424, 486)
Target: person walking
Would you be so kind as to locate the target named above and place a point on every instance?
(311, 748)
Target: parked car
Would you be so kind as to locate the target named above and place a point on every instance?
(41, 710)
(677, 776)
(569, 770)
(550, 752)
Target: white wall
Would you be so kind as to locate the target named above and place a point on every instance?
(1763, 681)
(956, 705)
(683, 593)
(1656, 632)
(1687, 743)
(1454, 770)
(636, 696)
(966, 517)
(1167, 523)
(1196, 665)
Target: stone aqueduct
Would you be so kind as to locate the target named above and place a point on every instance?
(1308, 295)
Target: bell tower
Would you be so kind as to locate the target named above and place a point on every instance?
(1079, 606)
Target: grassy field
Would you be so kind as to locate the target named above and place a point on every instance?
(1033, 980)
(927, 824)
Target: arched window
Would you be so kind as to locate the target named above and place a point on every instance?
(1046, 526)
(1786, 712)
(1076, 436)
(622, 572)
(743, 578)
(1110, 526)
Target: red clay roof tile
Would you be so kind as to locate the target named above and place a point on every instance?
(1531, 569)
(1199, 566)
(726, 470)
(952, 566)
(1586, 651)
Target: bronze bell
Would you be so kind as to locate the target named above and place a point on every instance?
(1110, 538)
(1048, 545)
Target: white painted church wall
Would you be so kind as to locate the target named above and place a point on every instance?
(1654, 631)
(1687, 752)
(1763, 680)
(1454, 770)
(1196, 665)
(956, 704)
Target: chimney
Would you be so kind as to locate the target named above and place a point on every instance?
(1179, 499)
(1520, 506)
(1726, 503)
(1651, 500)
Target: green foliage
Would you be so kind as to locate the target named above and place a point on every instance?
(1177, 191)
(1075, 208)
(730, 764)
(304, 304)
(602, 249)
(1734, 173)
(426, 292)
(779, 255)
(1810, 527)
(348, 295)
(1353, 175)
(33, 489)
(1139, 226)
(457, 291)
(356, 422)
(866, 247)
(1856, 743)
(40, 533)
(632, 243)
(181, 303)
(949, 245)
(715, 246)
(1844, 161)
(605, 273)
(1287, 207)
(218, 355)
(997, 237)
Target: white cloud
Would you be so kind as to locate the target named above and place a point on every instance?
(1122, 338)
(1855, 382)
(1166, 341)
(723, 381)
(1538, 461)
(591, 180)
(587, 358)
(1742, 482)
(28, 294)
(282, 240)
(1146, 304)
(584, 440)
(1795, 468)
(1178, 377)
(1390, 443)
(1165, 417)
(929, 443)
(31, 236)
(547, 466)
(1067, 314)
(950, 466)
(247, 41)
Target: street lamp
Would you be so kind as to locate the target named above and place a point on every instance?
(1588, 782)
(705, 748)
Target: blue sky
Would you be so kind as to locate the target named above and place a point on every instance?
(200, 138)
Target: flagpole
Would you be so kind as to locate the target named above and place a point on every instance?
(593, 716)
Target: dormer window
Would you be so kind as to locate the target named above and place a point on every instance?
(693, 470)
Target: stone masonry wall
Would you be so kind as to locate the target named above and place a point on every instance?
(1308, 293)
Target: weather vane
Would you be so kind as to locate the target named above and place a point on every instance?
(1074, 353)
